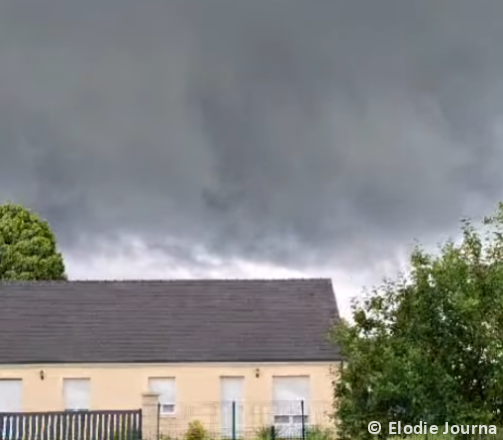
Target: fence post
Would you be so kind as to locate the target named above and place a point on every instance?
(233, 420)
(150, 416)
(302, 411)
(273, 432)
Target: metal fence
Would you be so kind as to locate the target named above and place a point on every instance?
(71, 425)
(236, 420)
(203, 421)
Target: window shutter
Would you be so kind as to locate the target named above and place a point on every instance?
(10, 401)
(288, 392)
(77, 394)
(166, 389)
(10, 395)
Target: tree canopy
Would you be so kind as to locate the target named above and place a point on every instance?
(27, 247)
(428, 346)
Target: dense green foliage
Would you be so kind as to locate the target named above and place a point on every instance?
(196, 431)
(429, 346)
(27, 247)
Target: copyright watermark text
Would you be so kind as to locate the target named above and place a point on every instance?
(397, 428)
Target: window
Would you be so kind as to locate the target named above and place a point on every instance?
(291, 403)
(232, 397)
(165, 387)
(11, 391)
(77, 394)
(10, 395)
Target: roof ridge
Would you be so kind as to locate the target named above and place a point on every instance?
(165, 280)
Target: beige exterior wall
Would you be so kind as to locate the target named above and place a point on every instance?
(121, 386)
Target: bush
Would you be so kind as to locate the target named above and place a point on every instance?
(196, 431)
(264, 433)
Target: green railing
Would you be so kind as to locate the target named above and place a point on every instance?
(238, 421)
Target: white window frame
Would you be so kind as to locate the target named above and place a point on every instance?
(167, 399)
(81, 380)
(287, 414)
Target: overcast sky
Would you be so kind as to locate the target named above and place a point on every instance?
(222, 138)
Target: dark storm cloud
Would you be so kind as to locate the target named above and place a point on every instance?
(287, 131)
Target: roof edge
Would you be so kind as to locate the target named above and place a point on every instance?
(335, 358)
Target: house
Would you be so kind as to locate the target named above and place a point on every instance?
(196, 345)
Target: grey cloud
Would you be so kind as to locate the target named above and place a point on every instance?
(294, 131)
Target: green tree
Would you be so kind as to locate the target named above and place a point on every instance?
(428, 346)
(27, 247)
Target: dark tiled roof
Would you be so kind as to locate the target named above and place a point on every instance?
(166, 321)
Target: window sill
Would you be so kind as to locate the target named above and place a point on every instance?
(168, 415)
